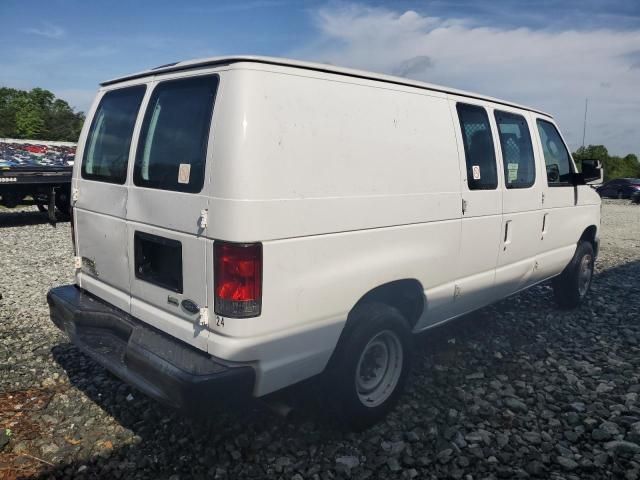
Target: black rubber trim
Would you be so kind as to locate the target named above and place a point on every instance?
(159, 365)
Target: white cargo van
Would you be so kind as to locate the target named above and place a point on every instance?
(244, 223)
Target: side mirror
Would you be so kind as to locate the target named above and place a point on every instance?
(592, 172)
(553, 173)
(577, 178)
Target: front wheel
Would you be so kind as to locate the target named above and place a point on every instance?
(572, 285)
(371, 363)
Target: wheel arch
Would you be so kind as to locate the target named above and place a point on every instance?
(406, 295)
(590, 235)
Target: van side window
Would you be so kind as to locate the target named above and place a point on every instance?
(106, 152)
(478, 147)
(517, 152)
(173, 142)
(556, 156)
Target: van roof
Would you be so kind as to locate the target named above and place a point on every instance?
(318, 67)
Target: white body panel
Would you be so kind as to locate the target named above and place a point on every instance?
(349, 183)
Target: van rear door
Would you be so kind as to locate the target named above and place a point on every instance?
(166, 207)
(100, 208)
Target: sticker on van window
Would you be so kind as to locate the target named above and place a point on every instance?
(476, 172)
(512, 169)
(184, 172)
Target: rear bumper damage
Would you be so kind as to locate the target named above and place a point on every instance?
(159, 365)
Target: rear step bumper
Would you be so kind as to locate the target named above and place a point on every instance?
(159, 365)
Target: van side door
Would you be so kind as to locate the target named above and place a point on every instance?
(562, 223)
(167, 207)
(521, 202)
(481, 187)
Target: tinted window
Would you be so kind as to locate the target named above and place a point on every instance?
(173, 142)
(106, 152)
(478, 147)
(517, 152)
(556, 156)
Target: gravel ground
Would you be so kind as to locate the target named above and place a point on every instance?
(517, 390)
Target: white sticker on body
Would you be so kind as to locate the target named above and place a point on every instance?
(184, 172)
(476, 172)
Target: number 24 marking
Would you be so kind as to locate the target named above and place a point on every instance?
(219, 321)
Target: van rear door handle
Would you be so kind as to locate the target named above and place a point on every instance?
(544, 225)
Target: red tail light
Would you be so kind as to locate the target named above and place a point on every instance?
(237, 279)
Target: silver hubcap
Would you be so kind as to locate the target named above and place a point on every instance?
(584, 275)
(379, 368)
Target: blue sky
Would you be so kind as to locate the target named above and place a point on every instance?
(548, 53)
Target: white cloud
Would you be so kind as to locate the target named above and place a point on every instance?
(550, 70)
(48, 30)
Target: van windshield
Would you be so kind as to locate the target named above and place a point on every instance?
(106, 152)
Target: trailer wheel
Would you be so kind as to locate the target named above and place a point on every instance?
(63, 204)
(370, 365)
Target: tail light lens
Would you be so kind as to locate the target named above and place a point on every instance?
(237, 279)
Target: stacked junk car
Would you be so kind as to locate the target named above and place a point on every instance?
(37, 169)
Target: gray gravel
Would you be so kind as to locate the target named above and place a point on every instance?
(517, 390)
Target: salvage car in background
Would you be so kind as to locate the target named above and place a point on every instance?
(39, 169)
(619, 188)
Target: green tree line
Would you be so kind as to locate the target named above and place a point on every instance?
(37, 114)
(614, 166)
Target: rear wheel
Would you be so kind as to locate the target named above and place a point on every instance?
(572, 285)
(370, 365)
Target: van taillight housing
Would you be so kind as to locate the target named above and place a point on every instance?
(237, 279)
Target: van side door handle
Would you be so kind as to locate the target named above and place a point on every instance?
(544, 226)
(507, 233)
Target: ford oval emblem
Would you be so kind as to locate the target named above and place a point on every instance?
(190, 306)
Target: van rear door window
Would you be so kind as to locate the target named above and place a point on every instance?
(106, 151)
(517, 152)
(173, 143)
(478, 147)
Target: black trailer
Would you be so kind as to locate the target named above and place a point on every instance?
(48, 186)
(38, 169)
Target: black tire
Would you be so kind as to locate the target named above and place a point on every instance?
(63, 205)
(368, 326)
(572, 285)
